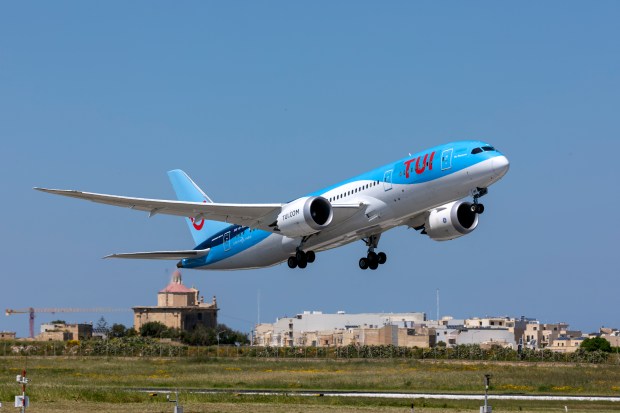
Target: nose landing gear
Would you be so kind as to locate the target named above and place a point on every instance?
(477, 207)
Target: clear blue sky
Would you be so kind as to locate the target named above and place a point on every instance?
(265, 101)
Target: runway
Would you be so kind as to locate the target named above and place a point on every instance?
(382, 395)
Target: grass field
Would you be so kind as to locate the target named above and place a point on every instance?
(104, 384)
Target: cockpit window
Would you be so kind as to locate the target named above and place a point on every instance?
(476, 150)
(488, 148)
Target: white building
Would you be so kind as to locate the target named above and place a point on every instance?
(487, 337)
(316, 328)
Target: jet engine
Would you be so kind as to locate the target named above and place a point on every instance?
(451, 221)
(304, 216)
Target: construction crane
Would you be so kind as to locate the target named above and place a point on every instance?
(32, 311)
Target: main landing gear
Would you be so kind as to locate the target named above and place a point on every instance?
(477, 207)
(372, 260)
(301, 259)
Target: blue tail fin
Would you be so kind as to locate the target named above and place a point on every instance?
(187, 190)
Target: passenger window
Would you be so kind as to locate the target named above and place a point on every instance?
(476, 150)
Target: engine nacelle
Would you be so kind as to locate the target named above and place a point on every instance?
(451, 221)
(304, 216)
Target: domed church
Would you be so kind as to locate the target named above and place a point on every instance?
(178, 307)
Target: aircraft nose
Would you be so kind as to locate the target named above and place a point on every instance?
(501, 165)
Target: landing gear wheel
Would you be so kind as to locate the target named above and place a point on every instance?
(302, 263)
(372, 260)
(292, 262)
(301, 256)
(478, 193)
(310, 257)
(382, 258)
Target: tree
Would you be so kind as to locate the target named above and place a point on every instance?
(118, 330)
(153, 329)
(200, 336)
(203, 336)
(102, 324)
(596, 343)
(230, 336)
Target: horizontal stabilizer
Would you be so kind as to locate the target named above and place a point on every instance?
(162, 255)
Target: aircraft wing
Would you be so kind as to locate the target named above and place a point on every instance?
(252, 215)
(162, 255)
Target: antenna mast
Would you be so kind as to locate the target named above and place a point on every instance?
(438, 305)
(258, 307)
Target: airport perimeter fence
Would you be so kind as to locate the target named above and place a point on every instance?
(150, 348)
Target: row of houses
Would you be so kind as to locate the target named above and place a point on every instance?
(314, 328)
(342, 329)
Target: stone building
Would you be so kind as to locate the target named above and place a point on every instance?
(64, 332)
(178, 307)
(612, 335)
(565, 344)
(7, 335)
(421, 337)
(542, 335)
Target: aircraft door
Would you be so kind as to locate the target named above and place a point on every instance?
(227, 241)
(387, 180)
(446, 159)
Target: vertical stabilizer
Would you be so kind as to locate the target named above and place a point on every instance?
(187, 190)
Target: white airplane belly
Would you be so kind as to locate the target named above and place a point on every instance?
(269, 252)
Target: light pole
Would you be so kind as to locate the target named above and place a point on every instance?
(22, 401)
(487, 382)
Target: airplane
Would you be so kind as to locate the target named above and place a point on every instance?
(425, 191)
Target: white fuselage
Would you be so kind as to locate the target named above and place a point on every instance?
(387, 205)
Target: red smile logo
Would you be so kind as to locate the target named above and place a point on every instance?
(199, 224)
